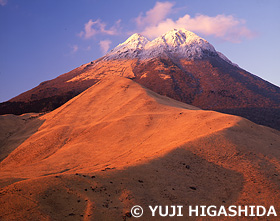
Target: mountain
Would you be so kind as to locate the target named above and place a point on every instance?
(175, 43)
(178, 64)
(118, 144)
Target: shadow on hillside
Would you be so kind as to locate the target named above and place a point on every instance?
(179, 178)
(14, 137)
(269, 117)
(35, 106)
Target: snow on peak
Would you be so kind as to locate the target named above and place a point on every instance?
(179, 37)
(130, 48)
(178, 43)
(135, 41)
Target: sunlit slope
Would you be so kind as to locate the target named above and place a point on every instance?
(118, 144)
(116, 122)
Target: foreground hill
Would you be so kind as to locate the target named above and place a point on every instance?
(178, 64)
(118, 144)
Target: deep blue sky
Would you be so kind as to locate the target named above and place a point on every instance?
(41, 39)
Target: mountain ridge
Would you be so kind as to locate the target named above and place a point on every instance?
(116, 143)
(207, 80)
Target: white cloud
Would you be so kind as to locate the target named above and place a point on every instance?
(105, 45)
(156, 14)
(92, 28)
(3, 2)
(225, 27)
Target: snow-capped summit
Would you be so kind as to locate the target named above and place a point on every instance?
(134, 42)
(181, 38)
(178, 43)
(128, 49)
(178, 37)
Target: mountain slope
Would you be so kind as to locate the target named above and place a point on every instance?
(178, 64)
(118, 144)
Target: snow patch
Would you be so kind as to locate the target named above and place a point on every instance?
(178, 43)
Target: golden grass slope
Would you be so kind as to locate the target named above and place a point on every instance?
(118, 144)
